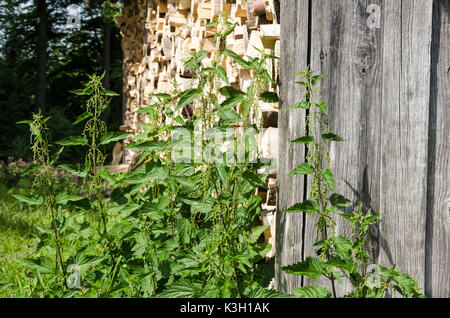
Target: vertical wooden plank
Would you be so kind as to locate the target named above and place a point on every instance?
(404, 135)
(437, 274)
(348, 50)
(289, 227)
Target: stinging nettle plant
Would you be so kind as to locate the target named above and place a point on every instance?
(338, 256)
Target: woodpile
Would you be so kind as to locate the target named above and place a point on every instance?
(158, 35)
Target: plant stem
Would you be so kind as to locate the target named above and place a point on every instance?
(55, 229)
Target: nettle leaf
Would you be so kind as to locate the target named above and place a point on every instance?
(113, 136)
(339, 201)
(29, 122)
(256, 233)
(85, 262)
(304, 168)
(260, 292)
(73, 141)
(180, 289)
(269, 97)
(153, 145)
(108, 93)
(311, 292)
(56, 156)
(229, 115)
(222, 73)
(77, 169)
(342, 246)
(303, 140)
(229, 30)
(266, 75)
(323, 107)
(332, 137)
(82, 117)
(311, 267)
(303, 105)
(219, 71)
(212, 24)
(307, 206)
(31, 168)
(405, 285)
(31, 200)
(229, 91)
(302, 83)
(43, 265)
(188, 96)
(317, 78)
(183, 226)
(232, 101)
(64, 197)
(162, 96)
(328, 176)
(255, 179)
(237, 58)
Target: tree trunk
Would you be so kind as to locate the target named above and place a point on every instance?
(107, 61)
(41, 53)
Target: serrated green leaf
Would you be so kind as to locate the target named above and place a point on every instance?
(212, 24)
(328, 176)
(64, 197)
(317, 78)
(180, 289)
(56, 156)
(269, 97)
(307, 206)
(108, 93)
(311, 267)
(82, 117)
(332, 137)
(339, 201)
(77, 169)
(31, 168)
(43, 265)
(237, 58)
(256, 233)
(153, 145)
(73, 141)
(113, 136)
(29, 122)
(303, 140)
(232, 101)
(303, 168)
(323, 107)
(260, 292)
(311, 292)
(187, 97)
(161, 95)
(303, 105)
(342, 246)
(230, 91)
(31, 200)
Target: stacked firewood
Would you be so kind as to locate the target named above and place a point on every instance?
(158, 35)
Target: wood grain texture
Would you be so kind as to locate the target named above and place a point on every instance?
(294, 43)
(404, 137)
(346, 49)
(437, 275)
(387, 92)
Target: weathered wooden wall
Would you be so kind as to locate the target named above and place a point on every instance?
(387, 92)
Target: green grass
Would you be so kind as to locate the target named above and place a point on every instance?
(19, 237)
